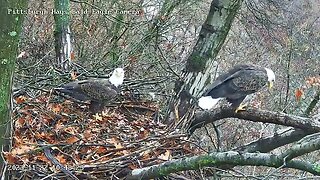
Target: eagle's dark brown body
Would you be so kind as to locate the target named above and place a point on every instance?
(92, 89)
(95, 91)
(236, 84)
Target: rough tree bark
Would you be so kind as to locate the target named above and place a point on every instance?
(201, 62)
(267, 144)
(300, 126)
(225, 158)
(62, 34)
(254, 153)
(11, 20)
(310, 125)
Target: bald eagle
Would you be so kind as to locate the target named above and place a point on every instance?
(96, 91)
(236, 84)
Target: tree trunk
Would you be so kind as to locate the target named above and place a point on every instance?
(201, 63)
(62, 34)
(11, 21)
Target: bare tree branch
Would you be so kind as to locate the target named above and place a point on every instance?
(222, 158)
(305, 145)
(272, 142)
(313, 104)
(310, 125)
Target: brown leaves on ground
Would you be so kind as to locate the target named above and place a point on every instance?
(310, 83)
(21, 99)
(125, 135)
(73, 75)
(298, 94)
(165, 156)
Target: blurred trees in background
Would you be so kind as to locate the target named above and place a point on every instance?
(62, 35)
(153, 41)
(157, 37)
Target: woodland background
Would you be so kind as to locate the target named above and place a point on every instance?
(154, 43)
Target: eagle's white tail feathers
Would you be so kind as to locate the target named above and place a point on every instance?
(207, 102)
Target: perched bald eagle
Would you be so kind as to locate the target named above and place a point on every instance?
(96, 91)
(236, 84)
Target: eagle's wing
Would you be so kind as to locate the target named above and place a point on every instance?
(235, 72)
(100, 90)
(73, 89)
(250, 81)
(239, 81)
(92, 89)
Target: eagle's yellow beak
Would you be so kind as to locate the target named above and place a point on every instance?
(270, 84)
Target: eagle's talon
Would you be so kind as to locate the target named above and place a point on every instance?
(242, 107)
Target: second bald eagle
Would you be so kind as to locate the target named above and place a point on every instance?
(236, 84)
(96, 91)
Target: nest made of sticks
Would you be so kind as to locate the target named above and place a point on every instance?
(125, 136)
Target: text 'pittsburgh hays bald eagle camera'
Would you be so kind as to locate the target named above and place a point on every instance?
(236, 84)
(96, 91)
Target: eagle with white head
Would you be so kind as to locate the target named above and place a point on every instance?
(236, 84)
(96, 91)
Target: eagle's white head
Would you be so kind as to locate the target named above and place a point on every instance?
(117, 77)
(271, 77)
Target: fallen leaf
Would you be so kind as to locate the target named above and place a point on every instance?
(163, 18)
(72, 56)
(10, 158)
(17, 140)
(59, 125)
(21, 99)
(313, 81)
(71, 130)
(20, 122)
(146, 154)
(22, 149)
(61, 159)
(87, 134)
(73, 75)
(133, 59)
(118, 145)
(101, 150)
(298, 94)
(132, 166)
(141, 12)
(42, 158)
(165, 156)
(97, 117)
(40, 135)
(56, 108)
(143, 133)
(72, 140)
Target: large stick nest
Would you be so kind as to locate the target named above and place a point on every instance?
(125, 136)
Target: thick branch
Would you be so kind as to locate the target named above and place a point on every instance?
(220, 158)
(306, 145)
(312, 104)
(270, 143)
(202, 118)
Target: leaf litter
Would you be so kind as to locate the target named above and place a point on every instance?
(123, 137)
